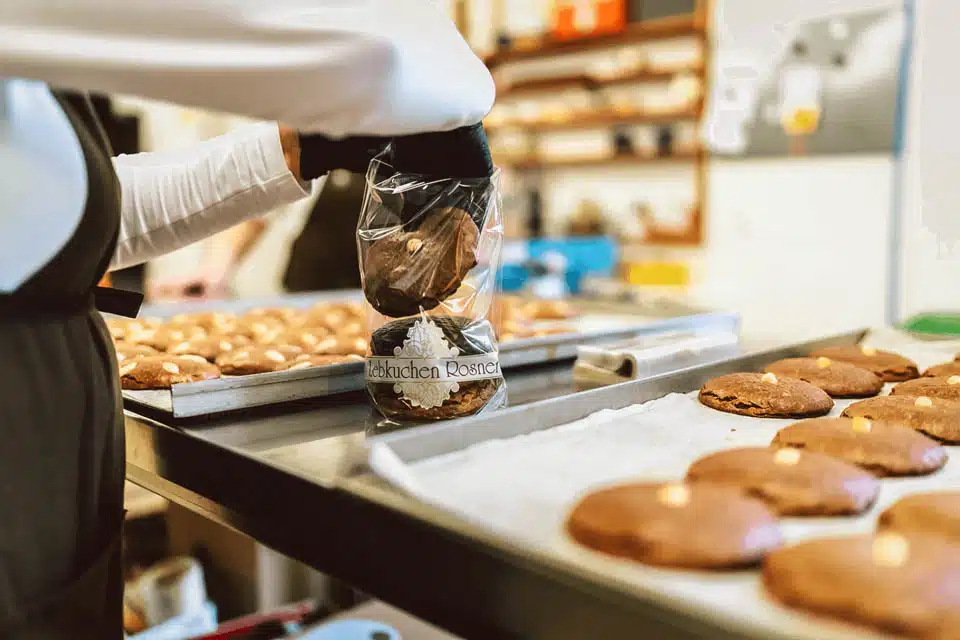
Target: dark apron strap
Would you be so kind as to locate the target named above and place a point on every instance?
(119, 302)
(20, 307)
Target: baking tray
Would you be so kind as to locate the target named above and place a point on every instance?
(514, 475)
(242, 392)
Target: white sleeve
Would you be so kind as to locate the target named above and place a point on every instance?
(339, 67)
(174, 198)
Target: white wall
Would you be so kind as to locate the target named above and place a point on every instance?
(797, 246)
(931, 220)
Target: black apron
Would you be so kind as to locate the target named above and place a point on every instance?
(324, 256)
(61, 433)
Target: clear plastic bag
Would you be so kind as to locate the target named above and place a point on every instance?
(429, 259)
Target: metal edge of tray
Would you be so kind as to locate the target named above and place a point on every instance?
(211, 397)
(563, 346)
(433, 440)
(616, 601)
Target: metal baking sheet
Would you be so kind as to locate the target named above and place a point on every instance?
(516, 472)
(242, 392)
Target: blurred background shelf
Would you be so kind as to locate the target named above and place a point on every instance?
(600, 119)
(587, 161)
(591, 83)
(651, 30)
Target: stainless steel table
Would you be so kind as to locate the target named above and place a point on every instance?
(292, 478)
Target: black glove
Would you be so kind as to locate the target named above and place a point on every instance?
(461, 153)
(319, 154)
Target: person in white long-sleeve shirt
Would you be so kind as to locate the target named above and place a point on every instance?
(345, 78)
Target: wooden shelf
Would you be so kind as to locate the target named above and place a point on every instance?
(601, 119)
(627, 159)
(590, 83)
(650, 30)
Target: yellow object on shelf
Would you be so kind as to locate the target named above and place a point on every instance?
(676, 274)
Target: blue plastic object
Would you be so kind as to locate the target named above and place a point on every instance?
(353, 630)
(589, 256)
(513, 277)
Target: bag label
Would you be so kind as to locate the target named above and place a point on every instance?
(461, 369)
(426, 370)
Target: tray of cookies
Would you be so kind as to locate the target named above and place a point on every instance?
(275, 350)
(808, 492)
(199, 361)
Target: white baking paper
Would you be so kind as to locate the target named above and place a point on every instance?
(522, 488)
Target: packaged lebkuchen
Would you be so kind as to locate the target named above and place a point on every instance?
(429, 258)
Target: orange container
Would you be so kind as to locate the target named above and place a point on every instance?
(585, 18)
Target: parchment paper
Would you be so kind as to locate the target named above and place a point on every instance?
(522, 488)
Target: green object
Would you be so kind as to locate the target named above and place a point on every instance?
(934, 324)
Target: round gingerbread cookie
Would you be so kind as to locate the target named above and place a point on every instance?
(307, 338)
(765, 396)
(210, 321)
(936, 513)
(792, 481)
(352, 329)
(889, 366)
(675, 525)
(334, 346)
(209, 347)
(128, 328)
(946, 369)
(904, 585)
(880, 448)
(283, 314)
(164, 336)
(260, 329)
(163, 371)
(407, 272)
(936, 417)
(257, 359)
(838, 379)
(131, 351)
(946, 387)
(308, 360)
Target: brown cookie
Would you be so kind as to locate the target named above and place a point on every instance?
(791, 481)
(838, 379)
(946, 369)
(765, 396)
(934, 513)
(308, 360)
(549, 310)
(162, 372)
(936, 417)
(128, 328)
(260, 329)
(352, 329)
(467, 400)
(164, 336)
(210, 321)
(334, 346)
(904, 585)
(257, 359)
(412, 271)
(946, 387)
(676, 525)
(307, 338)
(209, 347)
(881, 448)
(130, 351)
(891, 367)
(283, 314)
